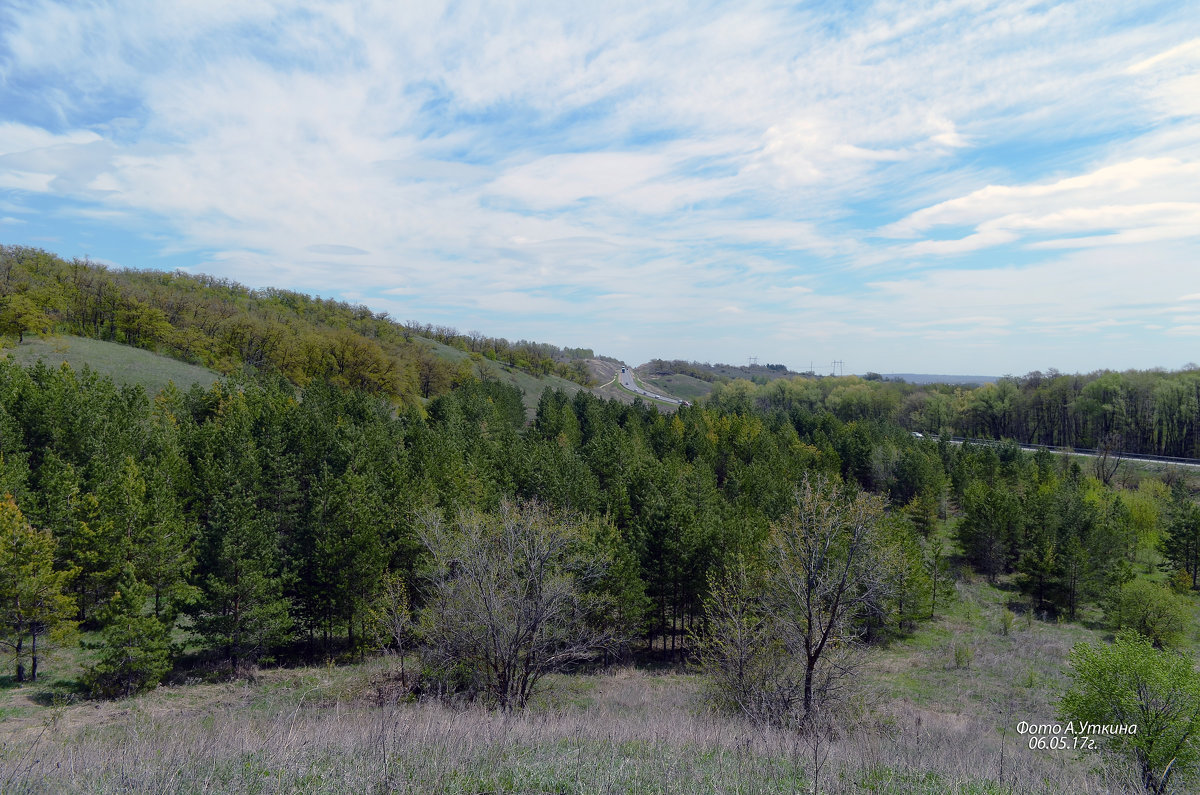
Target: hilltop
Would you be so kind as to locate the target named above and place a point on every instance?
(220, 327)
(151, 328)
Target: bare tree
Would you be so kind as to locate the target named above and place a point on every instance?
(785, 641)
(392, 619)
(511, 598)
(824, 556)
(748, 665)
(1108, 457)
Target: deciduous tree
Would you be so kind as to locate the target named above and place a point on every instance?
(510, 598)
(1132, 685)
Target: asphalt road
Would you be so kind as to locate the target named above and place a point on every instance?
(1085, 452)
(626, 379)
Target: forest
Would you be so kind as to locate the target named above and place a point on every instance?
(265, 521)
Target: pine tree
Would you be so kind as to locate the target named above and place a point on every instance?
(135, 650)
(32, 598)
(241, 609)
(1181, 544)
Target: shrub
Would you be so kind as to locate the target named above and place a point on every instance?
(511, 597)
(1130, 683)
(783, 638)
(1007, 617)
(963, 655)
(1151, 610)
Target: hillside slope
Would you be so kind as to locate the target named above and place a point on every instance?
(126, 365)
(223, 326)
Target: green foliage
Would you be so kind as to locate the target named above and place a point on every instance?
(941, 580)
(992, 525)
(33, 603)
(22, 313)
(1153, 611)
(274, 516)
(134, 650)
(1181, 542)
(910, 586)
(1007, 618)
(1131, 683)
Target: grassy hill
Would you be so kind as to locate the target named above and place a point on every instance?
(227, 326)
(678, 385)
(124, 364)
(692, 381)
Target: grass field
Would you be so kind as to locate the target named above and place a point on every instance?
(122, 363)
(625, 731)
(921, 723)
(678, 385)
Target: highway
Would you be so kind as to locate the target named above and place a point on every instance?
(625, 377)
(1085, 452)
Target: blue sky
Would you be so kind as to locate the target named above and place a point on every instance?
(949, 187)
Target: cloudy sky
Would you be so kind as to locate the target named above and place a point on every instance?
(948, 187)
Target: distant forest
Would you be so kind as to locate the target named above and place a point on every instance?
(220, 324)
(1137, 411)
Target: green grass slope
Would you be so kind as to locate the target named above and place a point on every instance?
(679, 385)
(122, 363)
(531, 386)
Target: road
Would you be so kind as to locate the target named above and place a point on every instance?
(625, 377)
(1085, 452)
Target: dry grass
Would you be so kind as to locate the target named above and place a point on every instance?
(928, 727)
(326, 730)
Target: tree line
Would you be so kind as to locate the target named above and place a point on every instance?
(1137, 411)
(263, 520)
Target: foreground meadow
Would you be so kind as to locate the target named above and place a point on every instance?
(926, 720)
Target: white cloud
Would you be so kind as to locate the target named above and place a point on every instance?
(26, 181)
(1127, 203)
(1189, 50)
(21, 138)
(685, 160)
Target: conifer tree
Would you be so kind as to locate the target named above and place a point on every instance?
(135, 649)
(33, 603)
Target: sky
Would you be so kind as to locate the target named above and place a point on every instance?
(952, 187)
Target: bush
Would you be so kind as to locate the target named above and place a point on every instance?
(1151, 610)
(1130, 683)
(1007, 617)
(784, 637)
(512, 597)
